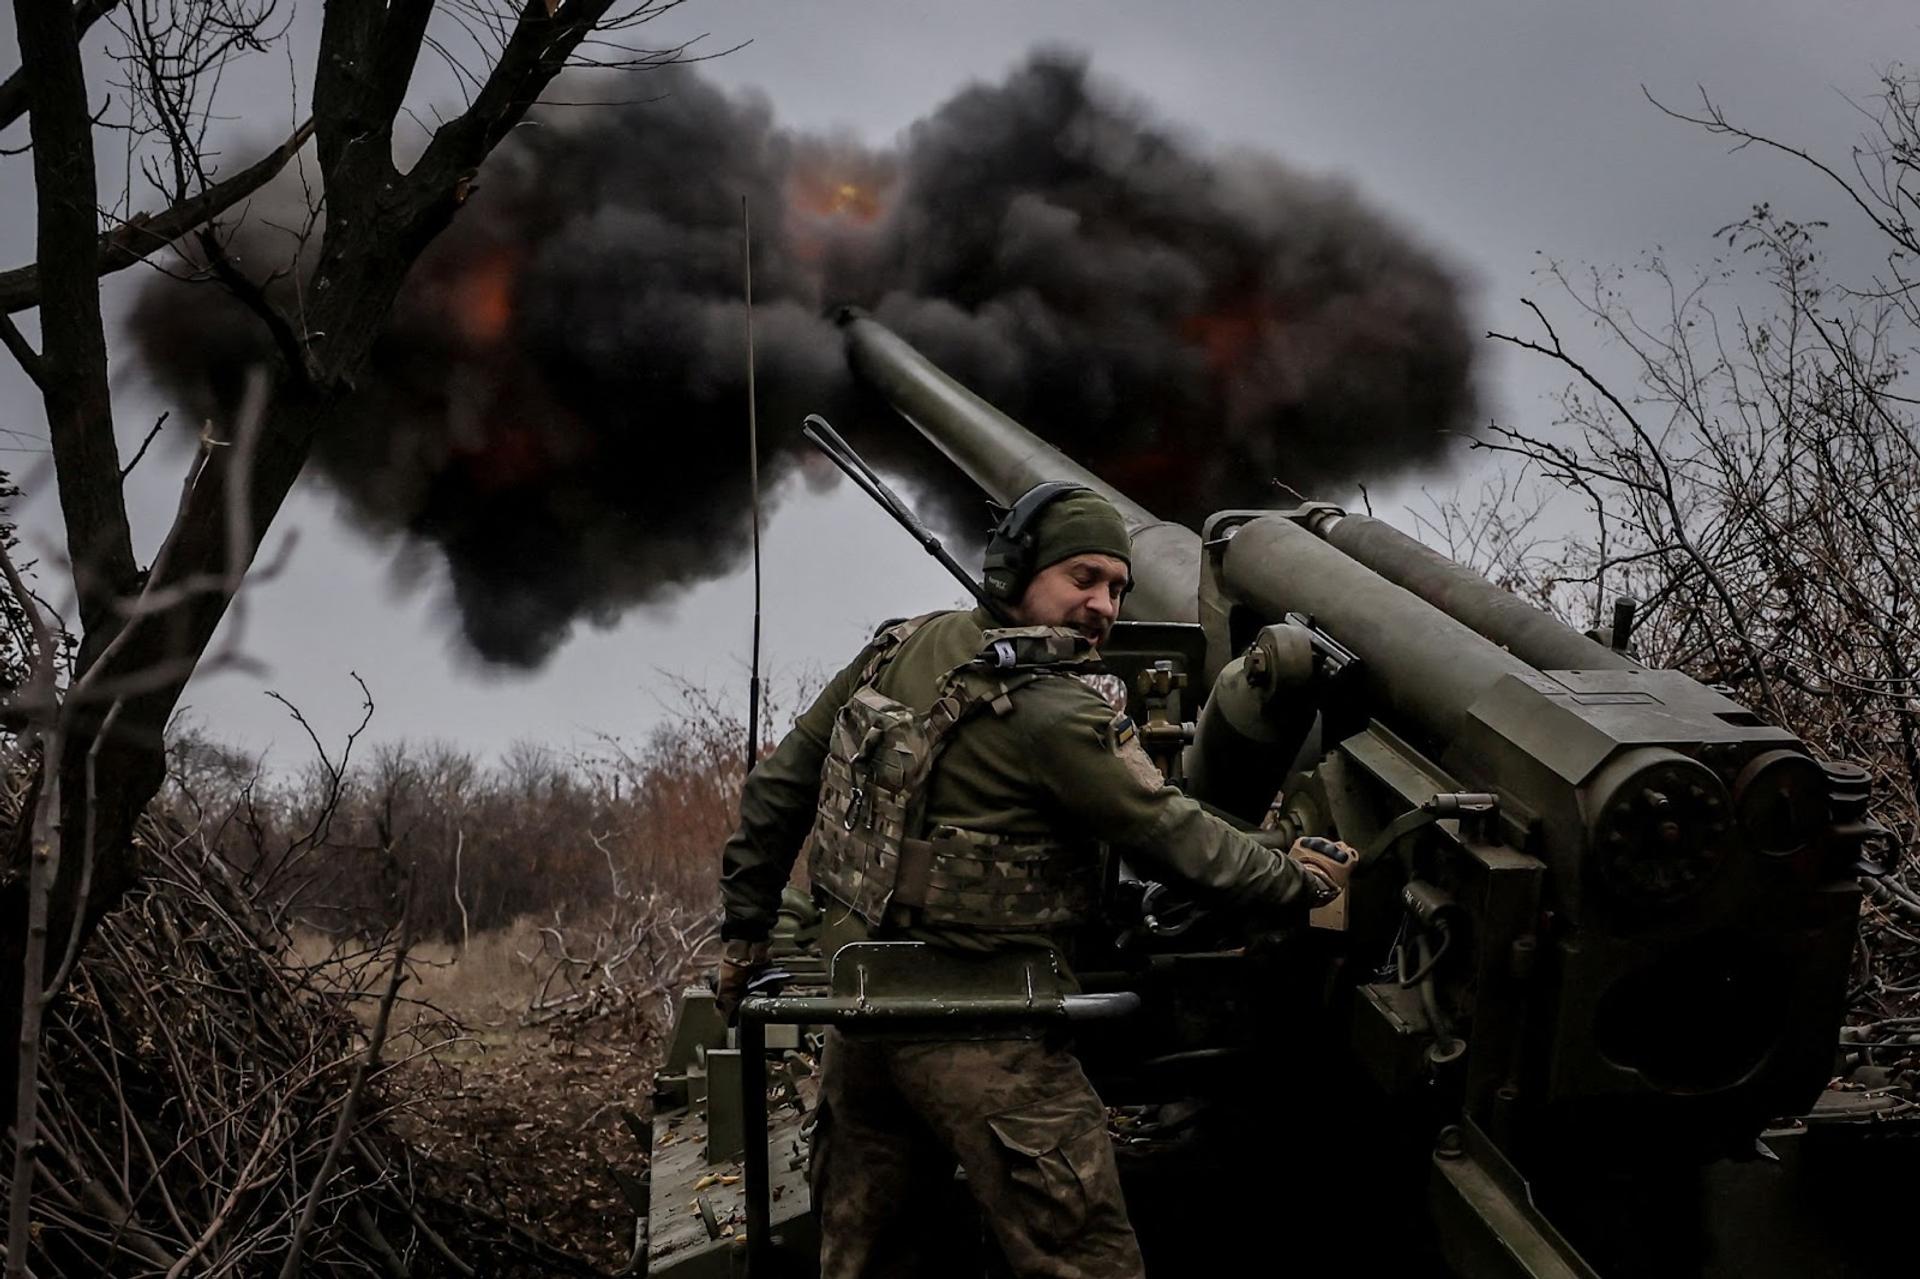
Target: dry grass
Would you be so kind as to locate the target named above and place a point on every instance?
(484, 985)
(490, 979)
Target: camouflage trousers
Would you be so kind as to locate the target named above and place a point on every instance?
(1018, 1116)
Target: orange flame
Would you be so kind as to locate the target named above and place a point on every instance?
(1231, 332)
(823, 196)
(481, 299)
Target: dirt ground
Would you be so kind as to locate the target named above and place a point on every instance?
(527, 1124)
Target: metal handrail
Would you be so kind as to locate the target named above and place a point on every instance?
(917, 1012)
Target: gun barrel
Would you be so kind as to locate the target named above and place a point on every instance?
(1530, 634)
(1006, 460)
(1428, 664)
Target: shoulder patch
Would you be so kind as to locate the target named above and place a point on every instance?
(1124, 740)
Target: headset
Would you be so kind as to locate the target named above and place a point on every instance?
(1008, 565)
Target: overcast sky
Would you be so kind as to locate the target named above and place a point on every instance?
(1492, 128)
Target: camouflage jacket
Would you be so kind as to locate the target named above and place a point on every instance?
(1060, 763)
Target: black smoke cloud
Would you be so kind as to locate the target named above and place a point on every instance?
(558, 404)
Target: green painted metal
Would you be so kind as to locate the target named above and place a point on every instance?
(726, 1126)
(1497, 1231)
(1499, 615)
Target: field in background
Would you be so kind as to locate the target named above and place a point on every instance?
(551, 905)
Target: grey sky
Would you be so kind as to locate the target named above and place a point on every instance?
(1492, 128)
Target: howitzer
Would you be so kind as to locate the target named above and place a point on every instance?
(1598, 948)
(1630, 903)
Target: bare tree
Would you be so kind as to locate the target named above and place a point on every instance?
(1756, 493)
(1753, 480)
(378, 217)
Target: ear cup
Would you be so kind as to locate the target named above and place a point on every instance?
(1008, 563)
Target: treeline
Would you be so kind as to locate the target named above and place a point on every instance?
(339, 844)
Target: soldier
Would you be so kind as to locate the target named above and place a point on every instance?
(958, 779)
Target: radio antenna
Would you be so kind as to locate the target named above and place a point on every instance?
(821, 434)
(753, 476)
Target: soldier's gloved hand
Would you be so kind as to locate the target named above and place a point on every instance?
(740, 962)
(1328, 862)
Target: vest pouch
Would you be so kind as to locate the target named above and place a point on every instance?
(867, 851)
(999, 882)
(877, 758)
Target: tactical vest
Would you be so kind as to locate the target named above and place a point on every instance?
(868, 848)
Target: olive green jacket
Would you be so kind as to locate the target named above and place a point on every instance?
(1055, 767)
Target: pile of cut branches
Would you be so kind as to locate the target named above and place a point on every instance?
(206, 1102)
(618, 969)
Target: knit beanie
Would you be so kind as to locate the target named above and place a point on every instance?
(1079, 524)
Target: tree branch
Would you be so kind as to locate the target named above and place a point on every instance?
(144, 234)
(13, 90)
(397, 50)
(350, 133)
(142, 450)
(44, 716)
(73, 348)
(1715, 121)
(343, 1126)
(253, 296)
(22, 351)
(1664, 491)
(542, 41)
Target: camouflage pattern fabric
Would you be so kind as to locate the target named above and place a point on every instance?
(1112, 689)
(963, 878)
(1017, 1115)
(1062, 762)
(865, 849)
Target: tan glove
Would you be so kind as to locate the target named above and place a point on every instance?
(740, 962)
(1328, 862)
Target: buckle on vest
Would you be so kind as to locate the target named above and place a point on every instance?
(858, 802)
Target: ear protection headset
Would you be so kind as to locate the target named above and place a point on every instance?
(1008, 565)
